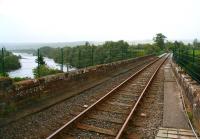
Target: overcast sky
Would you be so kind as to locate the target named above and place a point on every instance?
(97, 20)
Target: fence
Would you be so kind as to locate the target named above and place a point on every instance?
(189, 59)
(81, 57)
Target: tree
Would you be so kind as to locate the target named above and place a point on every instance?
(151, 49)
(169, 45)
(160, 40)
(87, 43)
(176, 44)
(11, 62)
(40, 60)
(44, 70)
(196, 43)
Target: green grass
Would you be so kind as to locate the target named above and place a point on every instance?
(190, 116)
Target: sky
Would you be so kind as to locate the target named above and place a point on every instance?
(97, 20)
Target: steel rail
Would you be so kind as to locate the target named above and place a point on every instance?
(136, 104)
(101, 99)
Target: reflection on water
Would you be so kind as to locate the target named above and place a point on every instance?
(28, 63)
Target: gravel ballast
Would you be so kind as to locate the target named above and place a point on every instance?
(42, 124)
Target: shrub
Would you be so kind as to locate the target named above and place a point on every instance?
(17, 79)
(5, 74)
(44, 70)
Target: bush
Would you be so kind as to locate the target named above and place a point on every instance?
(11, 62)
(152, 49)
(5, 74)
(17, 79)
(44, 70)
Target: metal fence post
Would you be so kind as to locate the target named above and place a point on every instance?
(38, 67)
(126, 53)
(122, 57)
(173, 52)
(131, 53)
(3, 62)
(193, 56)
(67, 67)
(61, 68)
(79, 57)
(92, 56)
(110, 58)
(179, 53)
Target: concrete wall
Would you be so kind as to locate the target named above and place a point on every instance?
(191, 91)
(58, 83)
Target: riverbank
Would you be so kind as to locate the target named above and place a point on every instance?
(28, 64)
(9, 61)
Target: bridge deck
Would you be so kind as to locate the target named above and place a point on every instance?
(173, 133)
(173, 110)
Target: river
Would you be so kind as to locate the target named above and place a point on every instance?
(28, 64)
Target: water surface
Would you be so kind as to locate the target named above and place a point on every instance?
(28, 64)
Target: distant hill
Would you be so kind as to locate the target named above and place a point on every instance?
(20, 46)
(16, 46)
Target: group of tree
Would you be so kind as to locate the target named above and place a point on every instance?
(42, 69)
(89, 54)
(196, 43)
(8, 62)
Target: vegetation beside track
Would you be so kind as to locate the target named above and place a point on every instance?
(188, 57)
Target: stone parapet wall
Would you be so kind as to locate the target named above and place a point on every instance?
(15, 92)
(191, 91)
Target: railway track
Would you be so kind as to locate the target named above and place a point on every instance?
(148, 116)
(42, 123)
(109, 116)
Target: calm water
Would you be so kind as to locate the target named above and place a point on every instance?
(28, 63)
